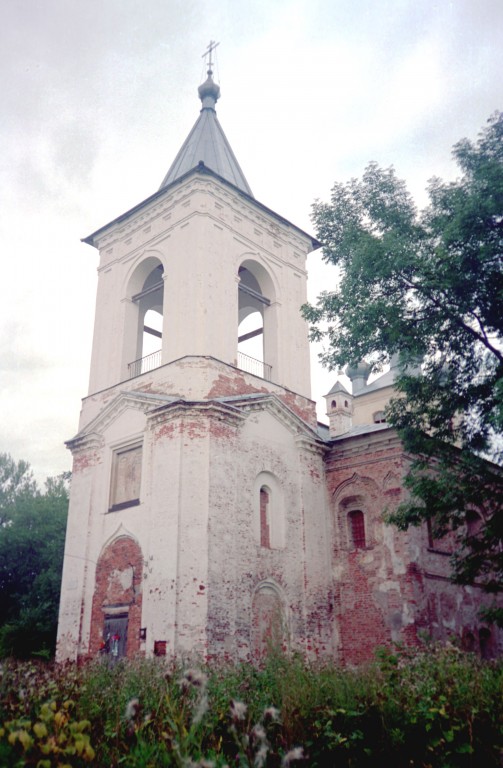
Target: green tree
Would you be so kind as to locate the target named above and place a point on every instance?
(16, 479)
(32, 536)
(428, 286)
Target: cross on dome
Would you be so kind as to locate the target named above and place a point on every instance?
(206, 143)
(209, 50)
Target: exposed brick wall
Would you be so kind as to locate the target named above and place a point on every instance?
(83, 460)
(235, 383)
(375, 592)
(118, 586)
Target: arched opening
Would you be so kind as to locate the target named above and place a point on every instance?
(254, 332)
(379, 417)
(146, 295)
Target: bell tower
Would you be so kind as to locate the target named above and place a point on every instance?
(183, 270)
(198, 339)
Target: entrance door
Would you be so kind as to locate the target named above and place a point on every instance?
(115, 635)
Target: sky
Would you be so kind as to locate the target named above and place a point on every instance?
(98, 96)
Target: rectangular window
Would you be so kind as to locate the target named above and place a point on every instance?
(357, 528)
(126, 478)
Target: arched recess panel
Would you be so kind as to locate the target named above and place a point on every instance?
(269, 511)
(257, 321)
(117, 600)
(144, 317)
(269, 626)
(357, 504)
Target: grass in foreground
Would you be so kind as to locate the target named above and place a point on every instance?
(422, 708)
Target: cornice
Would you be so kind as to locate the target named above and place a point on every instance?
(356, 445)
(143, 402)
(85, 442)
(273, 404)
(210, 408)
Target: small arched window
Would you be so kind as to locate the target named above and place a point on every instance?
(334, 404)
(265, 522)
(268, 511)
(356, 522)
(379, 417)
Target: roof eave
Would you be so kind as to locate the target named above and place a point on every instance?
(204, 170)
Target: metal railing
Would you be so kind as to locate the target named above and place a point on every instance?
(245, 363)
(144, 364)
(257, 367)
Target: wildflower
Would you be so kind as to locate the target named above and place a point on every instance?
(193, 678)
(259, 733)
(297, 753)
(238, 710)
(261, 755)
(201, 709)
(271, 713)
(132, 709)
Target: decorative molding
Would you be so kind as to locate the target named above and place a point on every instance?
(85, 442)
(212, 408)
(273, 404)
(139, 401)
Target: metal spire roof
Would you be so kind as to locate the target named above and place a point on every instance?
(207, 143)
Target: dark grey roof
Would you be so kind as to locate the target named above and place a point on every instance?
(208, 144)
(338, 387)
(361, 429)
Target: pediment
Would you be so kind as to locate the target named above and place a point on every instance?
(140, 402)
(273, 405)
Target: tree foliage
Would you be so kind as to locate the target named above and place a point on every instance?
(32, 535)
(428, 286)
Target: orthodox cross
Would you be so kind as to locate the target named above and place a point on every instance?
(208, 53)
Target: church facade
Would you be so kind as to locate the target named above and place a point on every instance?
(210, 513)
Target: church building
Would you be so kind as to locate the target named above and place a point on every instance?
(210, 512)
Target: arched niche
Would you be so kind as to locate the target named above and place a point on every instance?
(269, 619)
(357, 505)
(117, 599)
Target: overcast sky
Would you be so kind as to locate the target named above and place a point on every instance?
(98, 95)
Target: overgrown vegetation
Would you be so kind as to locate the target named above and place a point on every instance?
(422, 708)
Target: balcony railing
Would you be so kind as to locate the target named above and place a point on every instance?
(144, 364)
(245, 362)
(257, 367)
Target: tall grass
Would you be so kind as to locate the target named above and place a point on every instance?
(423, 708)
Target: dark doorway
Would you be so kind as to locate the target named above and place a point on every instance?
(115, 636)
